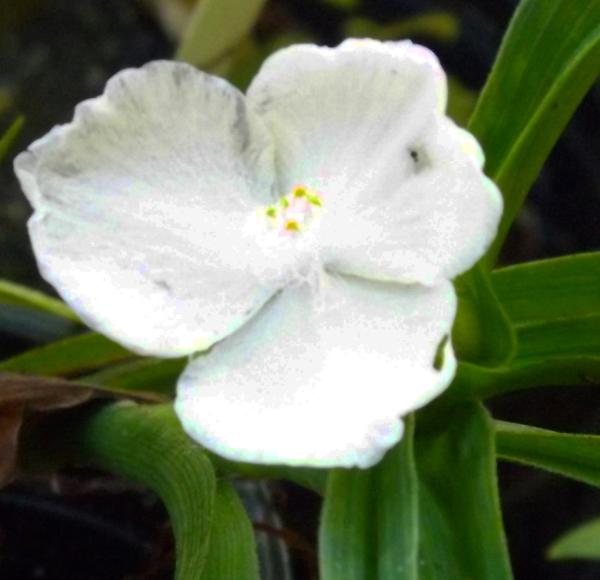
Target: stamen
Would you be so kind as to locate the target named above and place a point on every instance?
(300, 191)
(294, 212)
(314, 200)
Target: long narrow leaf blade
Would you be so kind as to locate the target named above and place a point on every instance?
(396, 495)
(18, 295)
(562, 287)
(560, 351)
(554, 307)
(370, 527)
(144, 374)
(582, 542)
(232, 549)
(345, 549)
(574, 456)
(461, 526)
(560, 337)
(68, 357)
(475, 382)
(548, 60)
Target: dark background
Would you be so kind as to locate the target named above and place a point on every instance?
(86, 525)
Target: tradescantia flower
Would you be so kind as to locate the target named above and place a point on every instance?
(307, 231)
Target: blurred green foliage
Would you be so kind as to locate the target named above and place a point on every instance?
(439, 26)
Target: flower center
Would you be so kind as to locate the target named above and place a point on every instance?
(294, 212)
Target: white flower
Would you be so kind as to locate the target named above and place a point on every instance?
(308, 230)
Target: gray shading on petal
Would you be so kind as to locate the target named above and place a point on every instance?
(140, 205)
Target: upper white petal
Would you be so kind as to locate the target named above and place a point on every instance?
(141, 205)
(321, 378)
(336, 113)
(403, 192)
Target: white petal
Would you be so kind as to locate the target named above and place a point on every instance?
(436, 224)
(339, 115)
(141, 204)
(321, 378)
(349, 123)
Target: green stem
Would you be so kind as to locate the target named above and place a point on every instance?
(144, 444)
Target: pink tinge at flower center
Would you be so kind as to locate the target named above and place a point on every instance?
(294, 212)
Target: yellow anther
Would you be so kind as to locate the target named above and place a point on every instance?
(292, 226)
(314, 200)
(300, 191)
(295, 211)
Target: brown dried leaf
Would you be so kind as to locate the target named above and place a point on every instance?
(41, 393)
(20, 394)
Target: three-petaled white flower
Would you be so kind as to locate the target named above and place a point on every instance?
(308, 230)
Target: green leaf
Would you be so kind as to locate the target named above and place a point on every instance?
(17, 295)
(475, 382)
(346, 546)
(369, 527)
(560, 337)
(145, 374)
(549, 72)
(145, 444)
(216, 28)
(574, 456)
(549, 58)
(438, 25)
(395, 488)
(461, 526)
(482, 332)
(554, 306)
(560, 351)
(581, 542)
(7, 140)
(232, 551)
(557, 288)
(68, 357)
